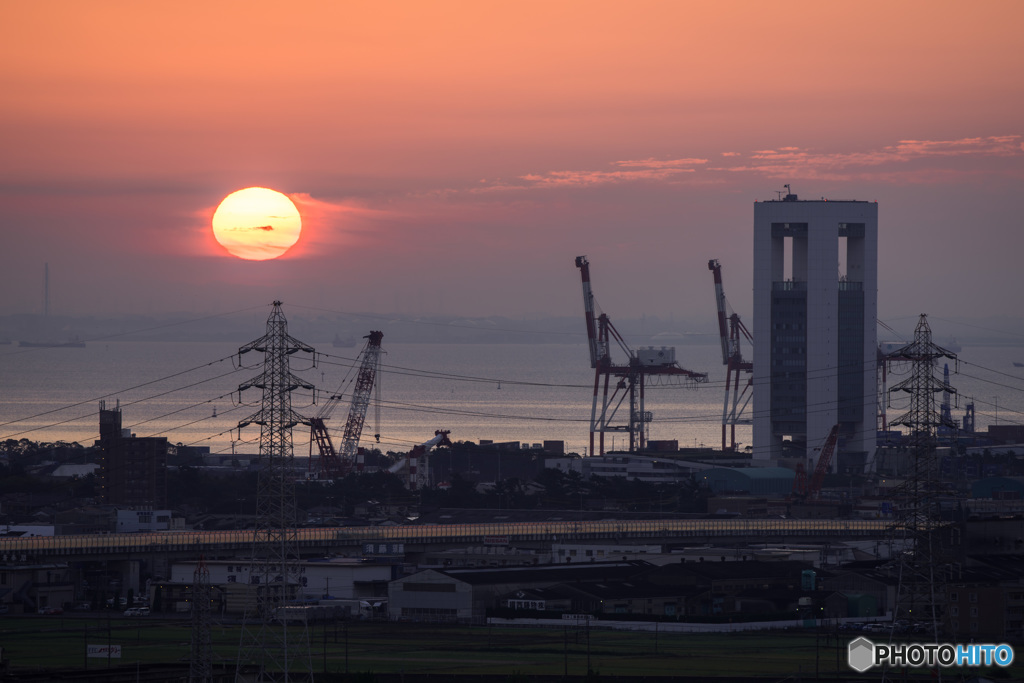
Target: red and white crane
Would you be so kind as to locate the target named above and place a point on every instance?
(650, 365)
(732, 330)
(415, 461)
(332, 463)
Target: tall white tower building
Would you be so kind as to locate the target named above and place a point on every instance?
(815, 341)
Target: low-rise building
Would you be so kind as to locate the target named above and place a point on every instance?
(29, 588)
(131, 520)
(322, 579)
(465, 595)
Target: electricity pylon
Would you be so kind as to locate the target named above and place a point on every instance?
(921, 565)
(273, 645)
(200, 668)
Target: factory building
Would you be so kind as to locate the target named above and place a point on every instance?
(815, 341)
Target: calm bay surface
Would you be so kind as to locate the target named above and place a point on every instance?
(188, 392)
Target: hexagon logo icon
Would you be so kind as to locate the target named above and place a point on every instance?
(861, 654)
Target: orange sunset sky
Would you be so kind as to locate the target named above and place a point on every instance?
(451, 158)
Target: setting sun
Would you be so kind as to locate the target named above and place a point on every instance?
(257, 224)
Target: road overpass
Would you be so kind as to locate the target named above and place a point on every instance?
(328, 540)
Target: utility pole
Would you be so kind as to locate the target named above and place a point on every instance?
(279, 649)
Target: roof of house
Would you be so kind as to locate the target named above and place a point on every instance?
(68, 470)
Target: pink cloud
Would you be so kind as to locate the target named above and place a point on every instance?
(900, 162)
(809, 163)
(658, 163)
(585, 178)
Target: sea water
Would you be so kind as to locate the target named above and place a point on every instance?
(188, 393)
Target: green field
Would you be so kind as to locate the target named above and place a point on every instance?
(33, 643)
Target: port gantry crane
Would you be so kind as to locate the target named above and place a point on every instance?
(656, 365)
(335, 464)
(731, 329)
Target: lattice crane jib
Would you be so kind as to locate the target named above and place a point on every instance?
(361, 394)
(273, 648)
(332, 463)
(619, 402)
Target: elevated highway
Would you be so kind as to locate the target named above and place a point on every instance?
(327, 540)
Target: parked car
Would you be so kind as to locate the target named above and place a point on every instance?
(137, 612)
(51, 610)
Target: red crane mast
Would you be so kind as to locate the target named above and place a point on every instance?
(823, 464)
(642, 367)
(337, 463)
(802, 490)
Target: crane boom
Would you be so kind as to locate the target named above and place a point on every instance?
(824, 461)
(588, 309)
(415, 461)
(361, 397)
(337, 463)
(731, 329)
(804, 491)
(723, 329)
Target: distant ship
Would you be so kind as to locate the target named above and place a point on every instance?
(73, 343)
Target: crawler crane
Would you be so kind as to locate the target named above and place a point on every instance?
(331, 463)
(811, 492)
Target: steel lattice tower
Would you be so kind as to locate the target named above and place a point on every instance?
(920, 595)
(278, 649)
(201, 665)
